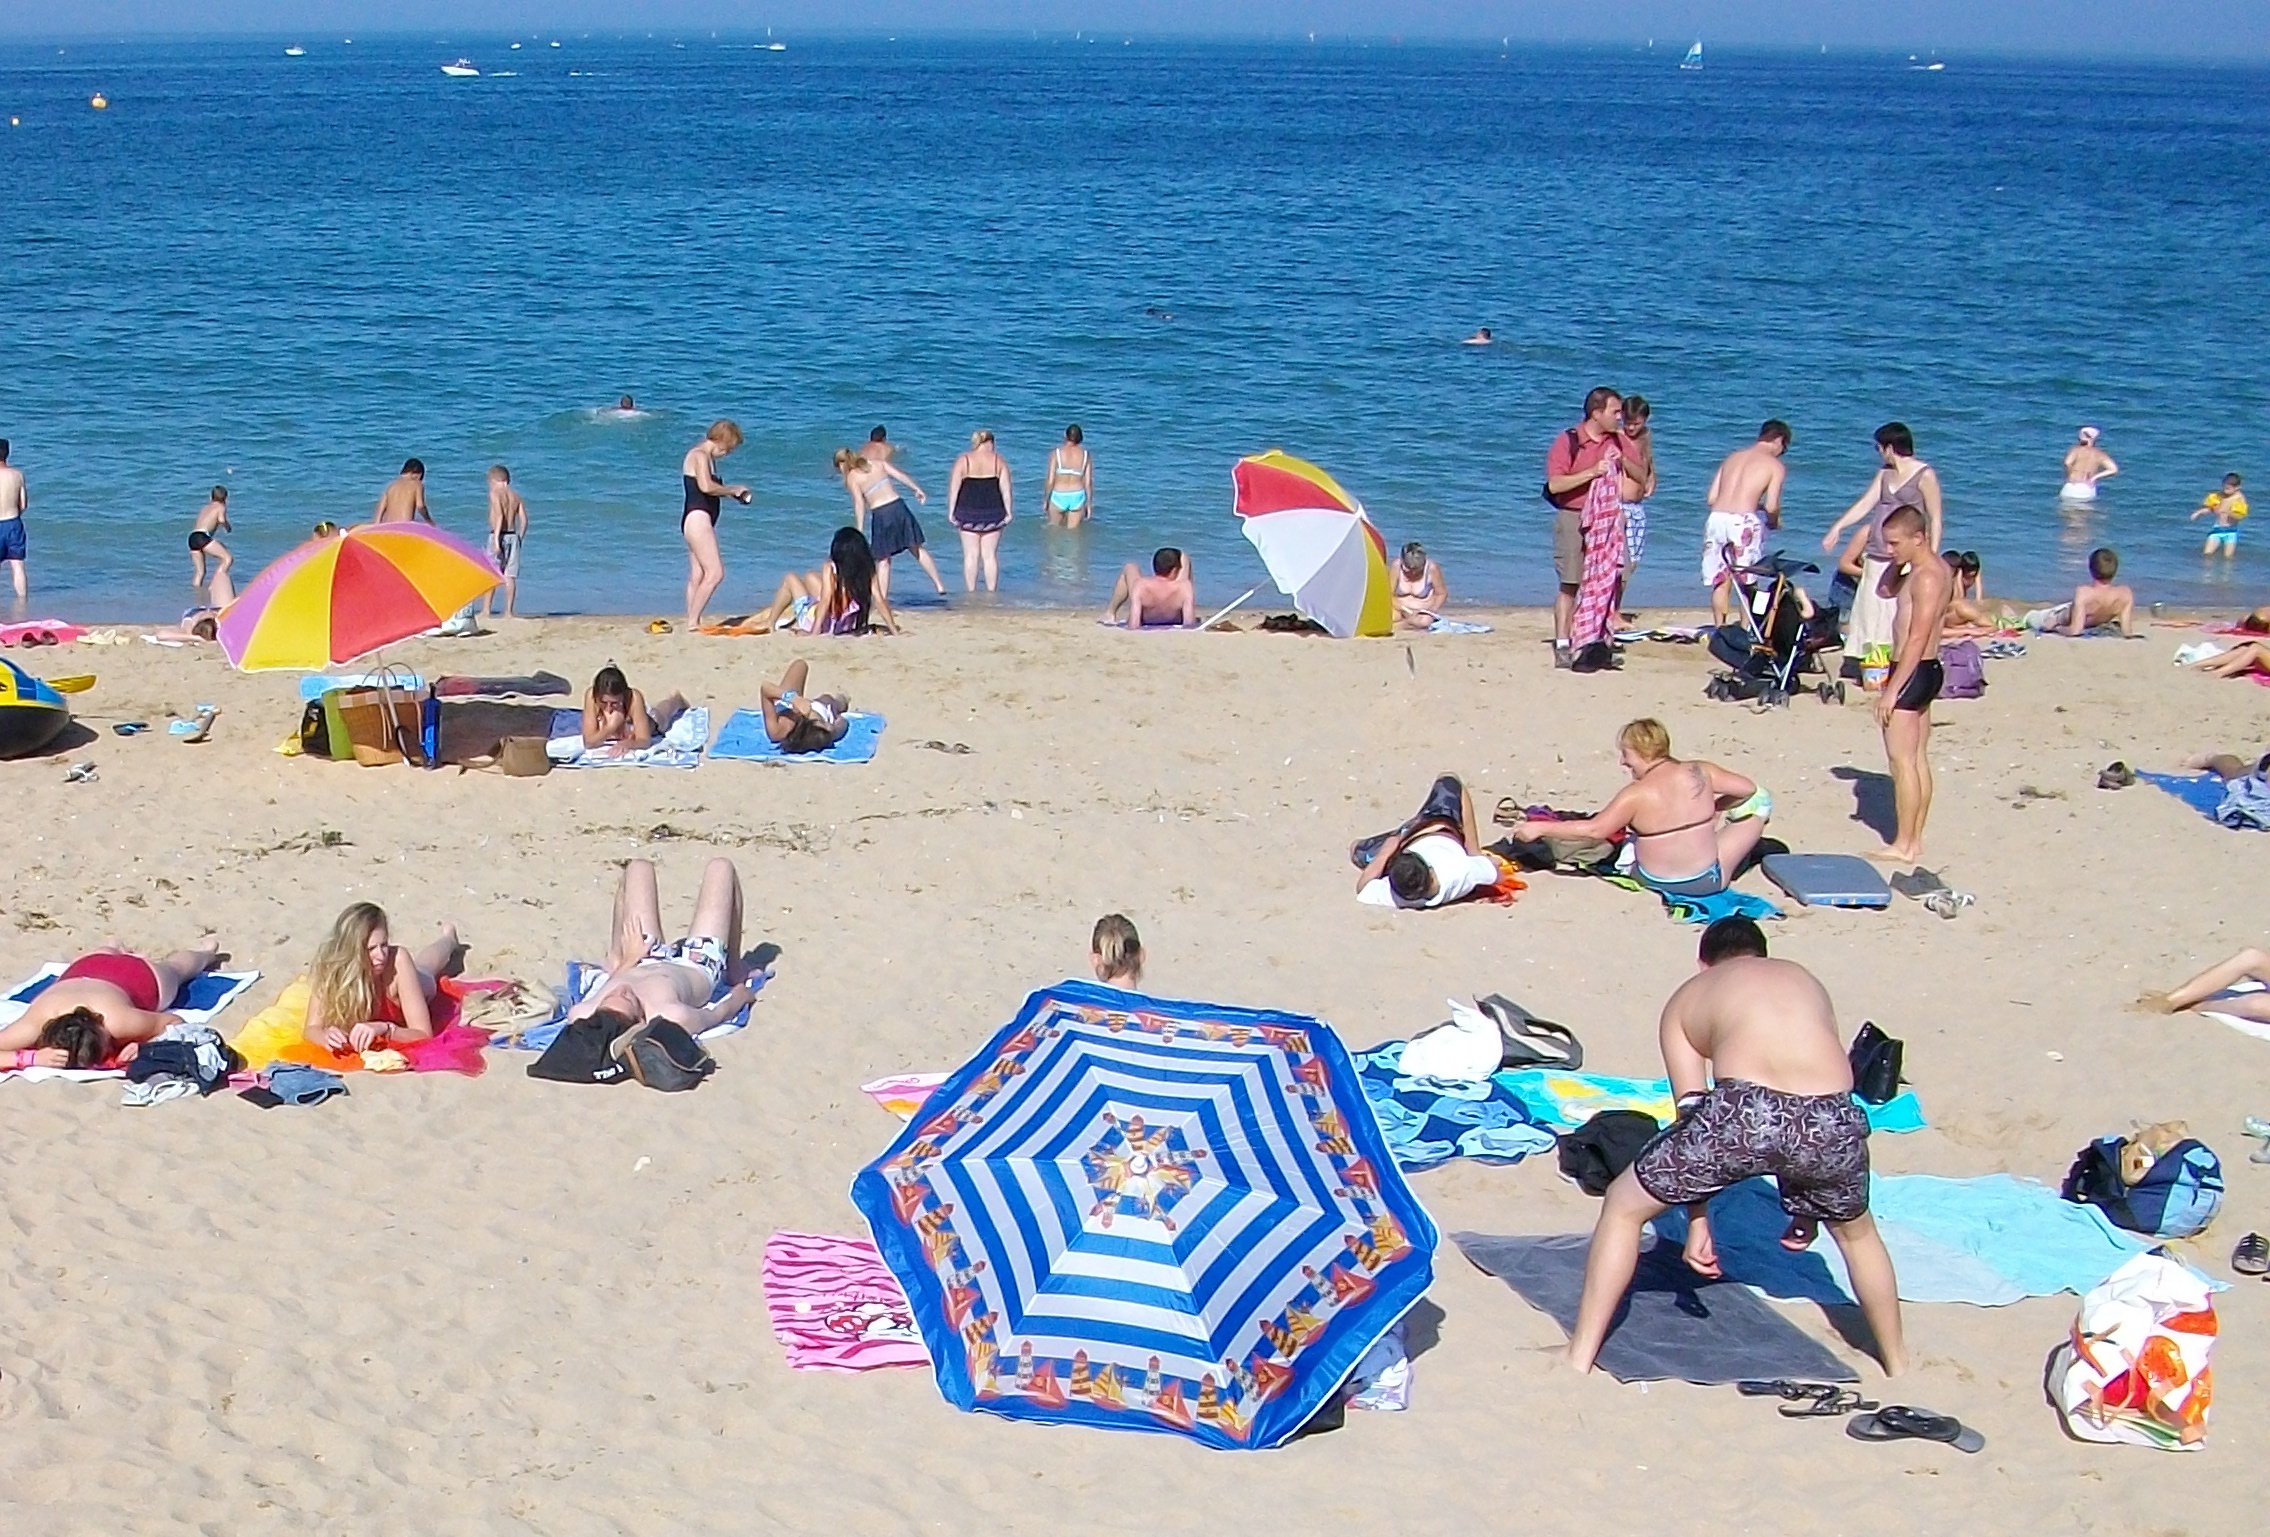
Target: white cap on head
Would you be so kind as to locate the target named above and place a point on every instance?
(2088, 434)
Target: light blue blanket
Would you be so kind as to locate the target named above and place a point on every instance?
(744, 739)
(679, 747)
(1561, 1098)
(582, 977)
(1429, 1121)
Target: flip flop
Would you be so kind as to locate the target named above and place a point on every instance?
(80, 774)
(1917, 883)
(131, 727)
(659, 627)
(1946, 904)
(1898, 1422)
(2116, 776)
(1509, 813)
(2252, 1256)
(1833, 1404)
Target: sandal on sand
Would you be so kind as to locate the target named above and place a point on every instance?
(2252, 1256)
(2116, 776)
(1946, 904)
(2255, 1126)
(1916, 884)
(1898, 1422)
(80, 774)
(1509, 812)
(958, 749)
(1807, 1400)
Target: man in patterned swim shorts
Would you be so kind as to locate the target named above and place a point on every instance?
(1763, 1034)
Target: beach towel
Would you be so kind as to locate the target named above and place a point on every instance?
(278, 1033)
(1988, 1242)
(679, 747)
(902, 1093)
(2203, 793)
(1571, 1099)
(1446, 626)
(1602, 519)
(316, 685)
(1429, 1121)
(1719, 904)
(200, 1003)
(744, 739)
(1674, 1325)
(582, 977)
(835, 1305)
(17, 634)
(2240, 1023)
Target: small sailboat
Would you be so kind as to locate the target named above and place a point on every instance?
(1694, 58)
(461, 69)
(295, 52)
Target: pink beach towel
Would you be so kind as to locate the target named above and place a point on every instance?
(1603, 523)
(902, 1093)
(15, 634)
(835, 1305)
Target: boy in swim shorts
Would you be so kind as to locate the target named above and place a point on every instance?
(1763, 1087)
(2228, 508)
(205, 540)
(508, 531)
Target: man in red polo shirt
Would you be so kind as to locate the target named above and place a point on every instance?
(1572, 465)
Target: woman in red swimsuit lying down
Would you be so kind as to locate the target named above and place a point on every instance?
(106, 1003)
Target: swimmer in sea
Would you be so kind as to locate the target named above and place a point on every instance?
(1480, 338)
(626, 407)
(2085, 465)
(1071, 481)
(705, 567)
(1158, 314)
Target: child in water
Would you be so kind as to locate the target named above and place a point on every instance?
(365, 991)
(2228, 508)
(1116, 953)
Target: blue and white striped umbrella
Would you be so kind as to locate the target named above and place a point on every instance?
(1149, 1215)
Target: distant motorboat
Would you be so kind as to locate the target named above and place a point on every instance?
(1694, 58)
(462, 69)
(295, 52)
(776, 47)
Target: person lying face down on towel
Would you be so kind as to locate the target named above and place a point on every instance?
(1693, 825)
(617, 715)
(799, 722)
(103, 1007)
(649, 977)
(1430, 861)
(1763, 1087)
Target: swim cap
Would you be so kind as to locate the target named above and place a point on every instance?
(2088, 434)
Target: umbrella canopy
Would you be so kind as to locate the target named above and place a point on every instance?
(335, 599)
(1319, 546)
(1149, 1215)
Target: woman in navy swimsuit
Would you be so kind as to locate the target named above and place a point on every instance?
(705, 567)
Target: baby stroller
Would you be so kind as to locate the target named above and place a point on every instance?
(1778, 633)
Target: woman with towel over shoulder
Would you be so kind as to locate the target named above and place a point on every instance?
(365, 991)
(983, 502)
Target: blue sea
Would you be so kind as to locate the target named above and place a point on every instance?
(288, 274)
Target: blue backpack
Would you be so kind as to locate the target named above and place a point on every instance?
(2177, 1196)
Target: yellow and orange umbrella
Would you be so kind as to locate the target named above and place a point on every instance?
(344, 596)
(1317, 543)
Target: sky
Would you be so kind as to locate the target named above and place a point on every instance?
(2230, 29)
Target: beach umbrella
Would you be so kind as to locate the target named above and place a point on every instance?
(1319, 546)
(343, 596)
(1147, 1215)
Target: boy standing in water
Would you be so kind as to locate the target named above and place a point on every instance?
(2227, 507)
(508, 528)
(404, 499)
(12, 504)
(204, 539)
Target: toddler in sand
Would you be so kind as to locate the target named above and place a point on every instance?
(364, 990)
(1116, 953)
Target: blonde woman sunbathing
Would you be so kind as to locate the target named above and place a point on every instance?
(364, 990)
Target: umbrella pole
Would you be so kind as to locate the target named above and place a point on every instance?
(1234, 603)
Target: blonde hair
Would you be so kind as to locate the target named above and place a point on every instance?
(340, 979)
(1646, 737)
(980, 438)
(1118, 949)
(846, 461)
(724, 433)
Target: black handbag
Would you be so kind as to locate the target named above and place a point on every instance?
(1877, 1060)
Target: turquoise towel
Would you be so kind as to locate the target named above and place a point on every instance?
(1560, 1098)
(744, 738)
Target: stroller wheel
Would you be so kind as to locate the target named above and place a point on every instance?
(1773, 698)
(1840, 691)
(1824, 691)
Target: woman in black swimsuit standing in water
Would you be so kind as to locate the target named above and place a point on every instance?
(705, 567)
(981, 499)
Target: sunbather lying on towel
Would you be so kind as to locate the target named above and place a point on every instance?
(2249, 965)
(616, 714)
(649, 977)
(1432, 860)
(365, 991)
(799, 722)
(103, 1007)
(1763, 1087)
(2245, 657)
(1692, 817)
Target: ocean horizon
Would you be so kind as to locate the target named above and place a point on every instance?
(286, 275)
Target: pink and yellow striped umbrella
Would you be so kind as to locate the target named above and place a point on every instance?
(338, 598)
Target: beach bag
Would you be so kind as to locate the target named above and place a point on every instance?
(662, 1055)
(523, 757)
(1491, 1034)
(383, 724)
(2174, 1195)
(580, 1054)
(1877, 1060)
(1599, 1151)
(1965, 670)
(1545, 486)
(2135, 1369)
(318, 736)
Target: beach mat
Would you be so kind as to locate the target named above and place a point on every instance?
(1557, 1097)
(744, 740)
(1673, 1325)
(836, 1307)
(200, 1003)
(1429, 1121)
(680, 747)
(2244, 1026)
(2203, 793)
(582, 977)
(1828, 880)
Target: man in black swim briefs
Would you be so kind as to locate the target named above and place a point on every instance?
(1921, 586)
(1762, 1035)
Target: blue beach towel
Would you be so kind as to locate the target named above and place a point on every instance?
(1429, 1121)
(200, 1002)
(744, 739)
(2203, 793)
(582, 977)
(1443, 626)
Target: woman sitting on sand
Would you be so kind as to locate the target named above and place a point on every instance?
(615, 714)
(841, 598)
(1693, 825)
(890, 524)
(1115, 952)
(798, 722)
(1420, 591)
(364, 990)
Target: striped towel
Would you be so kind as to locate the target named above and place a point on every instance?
(835, 1305)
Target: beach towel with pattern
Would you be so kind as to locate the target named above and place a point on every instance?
(1603, 522)
(836, 1307)
(679, 747)
(1570, 1099)
(1429, 1121)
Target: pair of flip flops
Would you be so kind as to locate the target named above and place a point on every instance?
(1899, 1422)
(1808, 1400)
(39, 638)
(2116, 775)
(1937, 897)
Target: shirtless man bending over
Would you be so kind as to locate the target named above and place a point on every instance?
(1165, 598)
(103, 1007)
(1919, 585)
(404, 499)
(1763, 1087)
(1745, 501)
(649, 977)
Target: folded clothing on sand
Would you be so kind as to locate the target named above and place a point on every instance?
(744, 739)
(1429, 1121)
(1570, 1099)
(836, 1307)
(2242, 804)
(679, 747)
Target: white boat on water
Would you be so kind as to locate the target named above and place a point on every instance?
(776, 47)
(295, 52)
(1694, 58)
(462, 69)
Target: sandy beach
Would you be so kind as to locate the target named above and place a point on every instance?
(449, 1305)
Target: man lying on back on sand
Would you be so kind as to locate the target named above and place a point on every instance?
(1763, 1087)
(649, 977)
(102, 1008)
(1167, 597)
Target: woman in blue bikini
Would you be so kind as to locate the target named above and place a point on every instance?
(1692, 825)
(1071, 481)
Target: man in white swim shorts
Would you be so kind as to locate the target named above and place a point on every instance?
(1745, 501)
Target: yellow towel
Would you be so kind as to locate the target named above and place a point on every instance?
(281, 1025)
